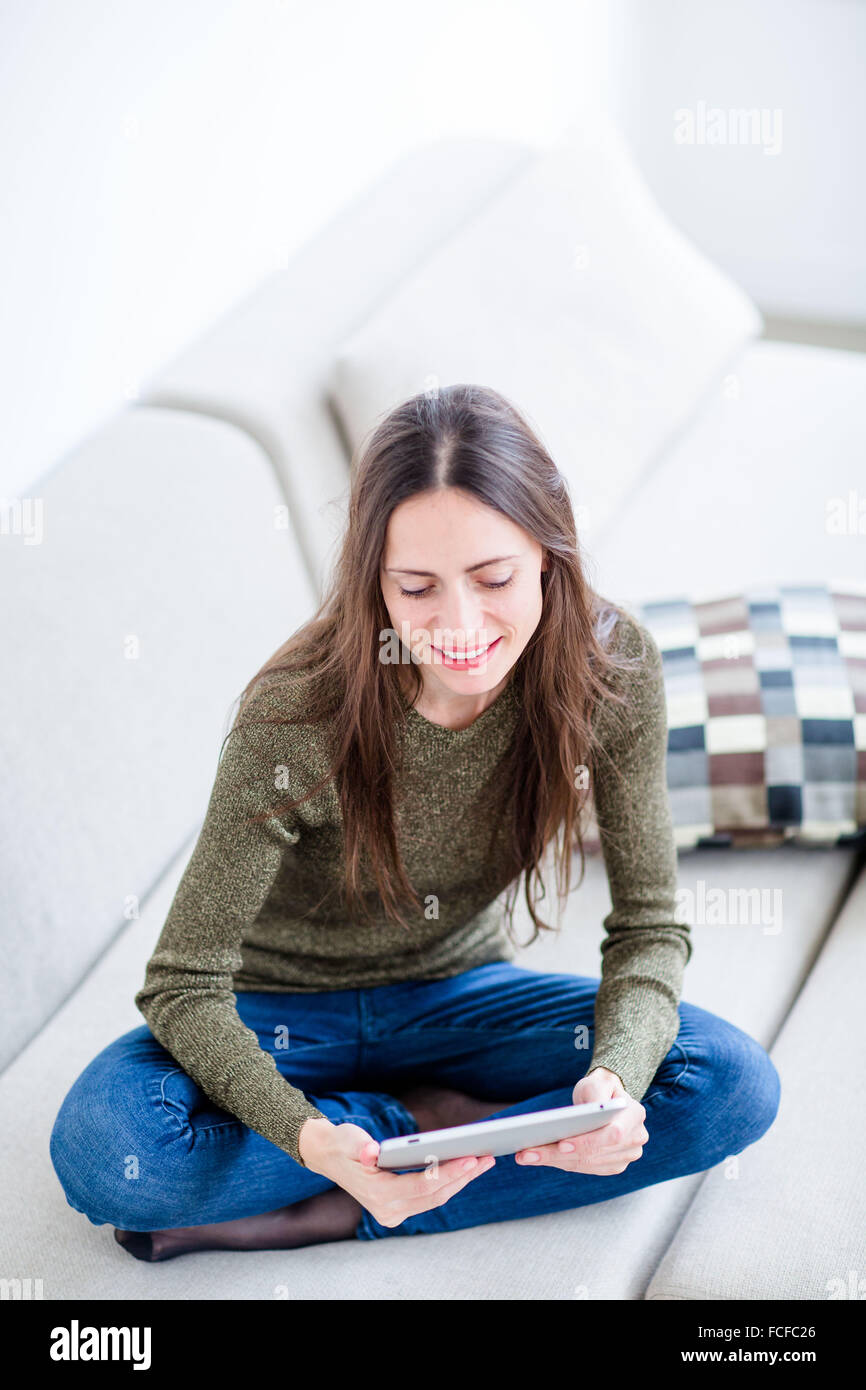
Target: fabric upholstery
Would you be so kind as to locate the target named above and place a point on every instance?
(573, 295)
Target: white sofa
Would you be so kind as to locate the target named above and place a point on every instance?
(165, 576)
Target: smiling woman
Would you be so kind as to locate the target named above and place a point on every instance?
(336, 968)
(454, 496)
(472, 618)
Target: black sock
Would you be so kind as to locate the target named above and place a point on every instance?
(328, 1216)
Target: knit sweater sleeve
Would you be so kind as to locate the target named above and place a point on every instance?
(187, 997)
(645, 950)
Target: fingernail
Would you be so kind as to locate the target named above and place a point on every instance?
(470, 1163)
(532, 1158)
(567, 1148)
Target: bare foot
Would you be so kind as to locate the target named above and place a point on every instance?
(331, 1215)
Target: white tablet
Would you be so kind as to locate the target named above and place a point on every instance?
(507, 1135)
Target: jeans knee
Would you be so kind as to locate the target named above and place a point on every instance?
(72, 1145)
(752, 1087)
(112, 1166)
(772, 1090)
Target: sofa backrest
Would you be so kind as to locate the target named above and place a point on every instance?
(461, 260)
(159, 530)
(160, 577)
(266, 364)
(573, 295)
(181, 544)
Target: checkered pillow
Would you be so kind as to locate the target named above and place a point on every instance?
(766, 701)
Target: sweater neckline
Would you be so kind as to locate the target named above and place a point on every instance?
(502, 705)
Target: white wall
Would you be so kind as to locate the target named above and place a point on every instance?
(159, 157)
(789, 226)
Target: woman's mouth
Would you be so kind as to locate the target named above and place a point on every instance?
(469, 659)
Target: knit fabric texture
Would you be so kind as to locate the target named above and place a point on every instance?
(258, 905)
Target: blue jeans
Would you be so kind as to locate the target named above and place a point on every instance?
(136, 1143)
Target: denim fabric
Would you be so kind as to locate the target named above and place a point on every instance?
(137, 1144)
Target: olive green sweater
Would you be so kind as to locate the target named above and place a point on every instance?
(257, 907)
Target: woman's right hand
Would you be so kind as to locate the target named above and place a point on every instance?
(347, 1155)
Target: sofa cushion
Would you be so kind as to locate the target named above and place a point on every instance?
(758, 488)
(766, 711)
(606, 1251)
(163, 579)
(772, 910)
(573, 295)
(766, 701)
(786, 1218)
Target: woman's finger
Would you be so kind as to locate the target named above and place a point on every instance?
(437, 1191)
(601, 1161)
(640, 1136)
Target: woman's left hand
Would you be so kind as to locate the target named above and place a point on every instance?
(604, 1151)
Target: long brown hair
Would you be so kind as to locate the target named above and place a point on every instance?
(467, 437)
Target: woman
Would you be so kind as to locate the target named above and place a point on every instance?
(337, 966)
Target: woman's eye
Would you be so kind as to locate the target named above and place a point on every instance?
(419, 593)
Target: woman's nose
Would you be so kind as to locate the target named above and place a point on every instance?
(463, 613)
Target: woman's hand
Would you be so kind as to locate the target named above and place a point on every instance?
(604, 1151)
(347, 1155)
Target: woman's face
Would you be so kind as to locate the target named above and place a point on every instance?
(460, 580)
